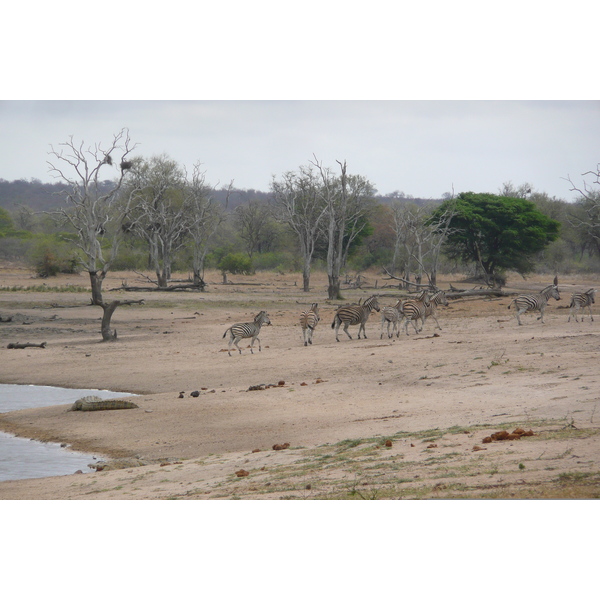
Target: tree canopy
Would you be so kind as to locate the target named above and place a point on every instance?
(496, 232)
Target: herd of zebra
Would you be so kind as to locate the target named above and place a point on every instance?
(410, 311)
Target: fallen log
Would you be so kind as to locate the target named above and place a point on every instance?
(171, 288)
(19, 345)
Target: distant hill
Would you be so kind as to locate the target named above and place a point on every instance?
(40, 196)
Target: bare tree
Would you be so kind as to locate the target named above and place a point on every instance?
(205, 217)
(408, 227)
(91, 209)
(349, 201)
(587, 218)
(161, 211)
(421, 237)
(253, 221)
(298, 200)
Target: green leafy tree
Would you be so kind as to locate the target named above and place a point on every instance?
(496, 232)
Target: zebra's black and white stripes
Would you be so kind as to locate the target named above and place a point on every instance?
(526, 302)
(308, 321)
(354, 314)
(240, 331)
(390, 315)
(580, 301)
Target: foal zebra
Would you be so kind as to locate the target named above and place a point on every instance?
(581, 300)
(354, 314)
(240, 331)
(391, 315)
(526, 302)
(308, 321)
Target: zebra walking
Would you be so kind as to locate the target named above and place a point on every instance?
(354, 314)
(240, 331)
(308, 321)
(526, 302)
(391, 315)
(413, 310)
(580, 301)
(431, 307)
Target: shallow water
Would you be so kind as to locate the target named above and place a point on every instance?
(21, 458)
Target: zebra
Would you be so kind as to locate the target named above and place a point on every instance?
(431, 305)
(422, 307)
(526, 302)
(581, 300)
(354, 314)
(240, 331)
(391, 315)
(308, 321)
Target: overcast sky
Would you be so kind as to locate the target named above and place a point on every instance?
(420, 98)
(421, 148)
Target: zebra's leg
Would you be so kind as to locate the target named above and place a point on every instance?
(255, 339)
(346, 325)
(337, 328)
(591, 316)
(436, 322)
(519, 313)
(235, 341)
(541, 314)
(304, 335)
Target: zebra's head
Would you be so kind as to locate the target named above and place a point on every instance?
(592, 294)
(262, 318)
(372, 303)
(439, 298)
(314, 307)
(555, 293)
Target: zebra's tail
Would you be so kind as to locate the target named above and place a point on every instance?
(226, 332)
(509, 304)
(335, 319)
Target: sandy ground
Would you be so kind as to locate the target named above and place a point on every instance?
(376, 418)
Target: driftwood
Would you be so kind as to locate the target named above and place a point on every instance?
(7, 320)
(19, 345)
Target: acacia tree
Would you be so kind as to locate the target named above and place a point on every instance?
(349, 200)
(91, 209)
(298, 202)
(495, 232)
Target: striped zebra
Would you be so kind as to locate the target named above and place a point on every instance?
(431, 306)
(354, 314)
(422, 307)
(526, 302)
(308, 321)
(391, 315)
(580, 301)
(240, 331)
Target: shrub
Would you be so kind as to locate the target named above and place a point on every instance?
(237, 264)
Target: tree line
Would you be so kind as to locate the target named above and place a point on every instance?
(121, 211)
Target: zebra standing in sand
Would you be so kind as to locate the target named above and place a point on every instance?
(354, 314)
(308, 321)
(391, 315)
(526, 302)
(580, 301)
(240, 331)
